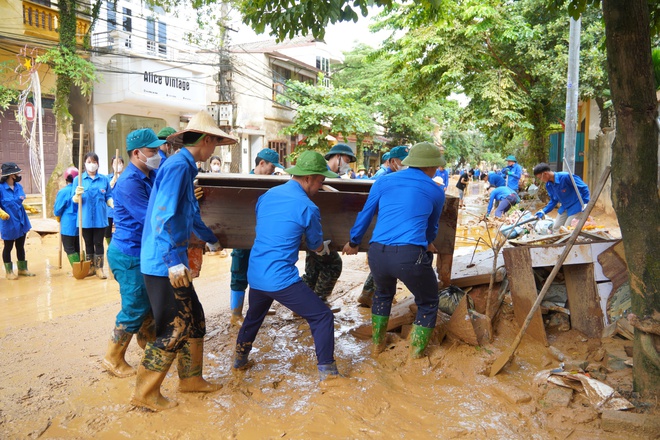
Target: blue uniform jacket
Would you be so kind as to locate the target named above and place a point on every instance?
(284, 214)
(498, 194)
(131, 195)
(383, 171)
(445, 177)
(408, 204)
(67, 211)
(11, 201)
(95, 198)
(172, 215)
(514, 172)
(496, 180)
(562, 191)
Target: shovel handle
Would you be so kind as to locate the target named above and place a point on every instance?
(80, 164)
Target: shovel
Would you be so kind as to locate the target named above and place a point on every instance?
(505, 357)
(80, 268)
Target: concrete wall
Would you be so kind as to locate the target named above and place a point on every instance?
(600, 156)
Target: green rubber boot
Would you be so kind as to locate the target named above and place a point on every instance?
(9, 269)
(378, 333)
(23, 270)
(419, 339)
(73, 258)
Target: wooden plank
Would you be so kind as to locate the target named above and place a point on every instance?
(400, 315)
(230, 199)
(472, 271)
(548, 255)
(460, 325)
(614, 267)
(518, 263)
(584, 300)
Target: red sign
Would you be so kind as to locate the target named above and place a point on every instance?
(30, 111)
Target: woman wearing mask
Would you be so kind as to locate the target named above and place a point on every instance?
(117, 168)
(216, 164)
(95, 192)
(14, 222)
(67, 214)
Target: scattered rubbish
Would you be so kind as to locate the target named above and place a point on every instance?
(449, 298)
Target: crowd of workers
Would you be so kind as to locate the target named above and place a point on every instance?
(154, 208)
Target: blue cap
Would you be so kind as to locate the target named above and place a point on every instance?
(385, 157)
(400, 152)
(143, 138)
(270, 156)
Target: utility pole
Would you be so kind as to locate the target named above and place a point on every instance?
(572, 87)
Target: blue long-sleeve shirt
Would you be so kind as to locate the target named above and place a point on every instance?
(67, 211)
(11, 201)
(131, 195)
(562, 191)
(514, 173)
(95, 199)
(284, 214)
(172, 215)
(496, 180)
(498, 194)
(382, 171)
(408, 204)
(445, 178)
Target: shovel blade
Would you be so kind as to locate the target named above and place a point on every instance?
(501, 361)
(80, 269)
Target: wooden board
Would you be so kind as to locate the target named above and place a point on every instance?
(613, 264)
(401, 314)
(523, 291)
(460, 324)
(583, 299)
(230, 199)
(480, 270)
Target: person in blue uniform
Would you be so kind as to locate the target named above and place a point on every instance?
(505, 198)
(167, 149)
(384, 167)
(172, 215)
(14, 221)
(67, 214)
(512, 173)
(96, 194)
(493, 178)
(442, 173)
(266, 162)
(408, 205)
(561, 191)
(284, 214)
(131, 196)
(117, 169)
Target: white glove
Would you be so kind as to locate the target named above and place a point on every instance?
(179, 276)
(77, 194)
(214, 247)
(110, 203)
(326, 248)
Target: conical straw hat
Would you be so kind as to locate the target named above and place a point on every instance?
(202, 122)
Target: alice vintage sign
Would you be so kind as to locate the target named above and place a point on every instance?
(167, 81)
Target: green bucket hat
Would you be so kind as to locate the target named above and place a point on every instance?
(511, 158)
(310, 162)
(423, 154)
(165, 132)
(341, 149)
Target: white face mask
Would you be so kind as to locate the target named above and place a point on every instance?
(91, 167)
(152, 162)
(215, 168)
(119, 168)
(344, 167)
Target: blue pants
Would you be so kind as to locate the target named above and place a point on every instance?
(134, 300)
(506, 204)
(412, 265)
(300, 299)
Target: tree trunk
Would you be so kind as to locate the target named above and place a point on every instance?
(634, 169)
(538, 142)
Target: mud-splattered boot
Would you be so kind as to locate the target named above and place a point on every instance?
(147, 332)
(92, 266)
(23, 269)
(236, 301)
(190, 360)
(98, 262)
(150, 375)
(328, 371)
(378, 333)
(73, 258)
(419, 339)
(241, 356)
(9, 269)
(366, 298)
(114, 361)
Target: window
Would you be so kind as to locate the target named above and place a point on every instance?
(280, 147)
(323, 64)
(151, 35)
(111, 5)
(162, 38)
(280, 76)
(128, 20)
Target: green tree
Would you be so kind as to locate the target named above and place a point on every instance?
(321, 111)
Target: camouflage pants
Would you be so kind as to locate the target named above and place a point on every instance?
(322, 272)
(178, 313)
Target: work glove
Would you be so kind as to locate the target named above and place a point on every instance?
(59, 219)
(30, 209)
(199, 192)
(325, 250)
(540, 215)
(179, 276)
(77, 194)
(110, 203)
(214, 247)
(3, 215)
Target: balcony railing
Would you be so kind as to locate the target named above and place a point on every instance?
(41, 21)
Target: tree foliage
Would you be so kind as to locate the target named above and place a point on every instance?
(323, 111)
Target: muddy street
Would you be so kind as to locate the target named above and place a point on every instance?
(54, 332)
